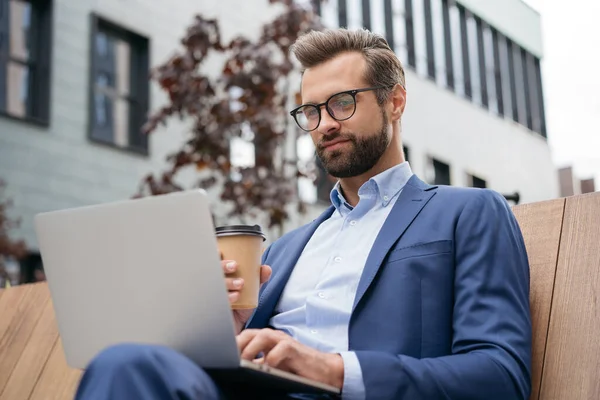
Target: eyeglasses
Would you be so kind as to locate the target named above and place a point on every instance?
(341, 106)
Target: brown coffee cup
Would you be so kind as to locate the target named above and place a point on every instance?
(243, 244)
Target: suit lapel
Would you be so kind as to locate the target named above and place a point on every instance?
(411, 201)
(285, 264)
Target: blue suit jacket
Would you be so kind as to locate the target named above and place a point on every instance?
(442, 307)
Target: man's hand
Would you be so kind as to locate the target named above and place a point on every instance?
(234, 286)
(283, 352)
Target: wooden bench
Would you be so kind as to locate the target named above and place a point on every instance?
(563, 242)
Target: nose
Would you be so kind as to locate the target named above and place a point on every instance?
(328, 125)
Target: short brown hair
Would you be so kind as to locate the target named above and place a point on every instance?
(383, 67)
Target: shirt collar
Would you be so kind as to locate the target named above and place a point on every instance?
(387, 184)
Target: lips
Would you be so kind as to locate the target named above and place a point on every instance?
(333, 142)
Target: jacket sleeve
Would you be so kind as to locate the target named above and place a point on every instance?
(491, 348)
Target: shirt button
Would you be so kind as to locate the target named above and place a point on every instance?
(352, 223)
(322, 295)
(313, 331)
(338, 259)
(386, 198)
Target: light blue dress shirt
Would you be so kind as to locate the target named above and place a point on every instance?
(316, 304)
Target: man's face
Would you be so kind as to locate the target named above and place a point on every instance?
(351, 147)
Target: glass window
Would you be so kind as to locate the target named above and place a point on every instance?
(457, 51)
(342, 13)
(519, 85)
(400, 45)
(490, 68)
(119, 87)
(498, 73)
(473, 58)
(439, 51)
(24, 59)
(441, 173)
(526, 88)
(389, 23)
(541, 124)
(420, 37)
(429, 39)
(477, 182)
(366, 14)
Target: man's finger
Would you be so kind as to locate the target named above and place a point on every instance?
(265, 273)
(229, 266)
(263, 342)
(234, 284)
(245, 337)
(279, 355)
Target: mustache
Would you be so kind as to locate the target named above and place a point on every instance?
(345, 136)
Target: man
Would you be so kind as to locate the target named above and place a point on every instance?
(400, 290)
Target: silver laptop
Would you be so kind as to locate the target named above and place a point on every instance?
(145, 271)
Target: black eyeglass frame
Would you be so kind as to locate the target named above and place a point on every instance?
(352, 92)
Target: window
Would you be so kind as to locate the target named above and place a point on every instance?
(489, 68)
(25, 39)
(464, 44)
(389, 22)
(455, 38)
(342, 14)
(410, 33)
(473, 59)
(441, 173)
(519, 85)
(420, 38)
(481, 65)
(541, 124)
(526, 89)
(406, 153)
(429, 39)
(316, 4)
(366, 14)
(476, 182)
(119, 87)
(447, 37)
(498, 73)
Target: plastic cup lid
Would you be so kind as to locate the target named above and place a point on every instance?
(240, 230)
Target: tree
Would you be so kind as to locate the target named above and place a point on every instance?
(249, 100)
(9, 248)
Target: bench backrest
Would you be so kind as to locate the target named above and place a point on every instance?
(563, 244)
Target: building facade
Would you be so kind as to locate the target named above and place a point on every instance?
(475, 107)
(74, 93)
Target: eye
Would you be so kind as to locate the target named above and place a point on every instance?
(309, 112)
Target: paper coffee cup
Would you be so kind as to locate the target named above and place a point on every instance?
(243, 244)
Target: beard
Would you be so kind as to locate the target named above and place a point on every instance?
(364, 153)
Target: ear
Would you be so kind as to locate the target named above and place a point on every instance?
(397, 102)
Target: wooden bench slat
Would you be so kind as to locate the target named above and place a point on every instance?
(9, 305)
(572, 364)
(58, 381)
(541, 224)
(19, 330)
(31, 363)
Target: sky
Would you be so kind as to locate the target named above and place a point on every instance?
(571, 80)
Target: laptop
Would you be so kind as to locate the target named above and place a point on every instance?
(147, 271)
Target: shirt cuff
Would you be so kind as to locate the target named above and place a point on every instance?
(354, 387)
